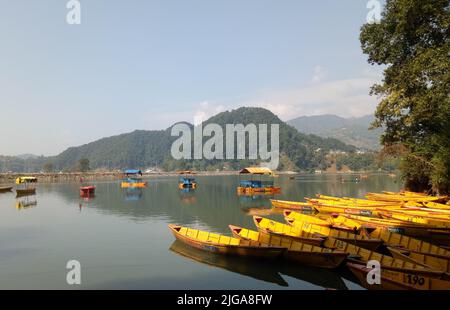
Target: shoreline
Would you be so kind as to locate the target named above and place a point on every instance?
(9, 178)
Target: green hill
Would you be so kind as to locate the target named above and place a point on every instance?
(354, 131)
(141, 148)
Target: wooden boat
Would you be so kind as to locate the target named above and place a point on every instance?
(331, 222)
(426, 221)
(292, 205)
(282, 230)
(435, 205)
(441, 263)
(322, 208)
(4, 189)
(403, 198)
(410, 229)
(397, 280)
(398, 240)
(87, 191)
(308, 230)
(306, 218)
(347, 201)
(251, 187)
(25, 186)
(221, 244)
(303, 253)
(351, 249)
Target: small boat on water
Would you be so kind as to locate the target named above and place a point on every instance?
(303, 253)
(25, 186)
(293, 205)
(305, 230)
(397, 280)
(405, 242)
(226, 245)
(438, 262)
(186, 181)
(5, 189)
(87, 191)
(133, 179)
(259, 186)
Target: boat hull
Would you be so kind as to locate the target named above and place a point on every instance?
(396, 280)
(5, 189)
(25, 192)
(235, 250)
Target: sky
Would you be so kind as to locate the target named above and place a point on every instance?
(144, 64)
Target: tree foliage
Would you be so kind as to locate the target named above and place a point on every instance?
(412, 42)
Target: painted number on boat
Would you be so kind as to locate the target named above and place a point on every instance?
(414, 280)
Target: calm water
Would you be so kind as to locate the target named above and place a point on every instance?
(122, 241)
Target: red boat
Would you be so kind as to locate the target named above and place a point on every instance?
(87, 191)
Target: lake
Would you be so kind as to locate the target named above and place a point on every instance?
(122, 241)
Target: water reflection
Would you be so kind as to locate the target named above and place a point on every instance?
(26, 201)
(263, 270)
(129, 227)
(133, 194)
(256, 269)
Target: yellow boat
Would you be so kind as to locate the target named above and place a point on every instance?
(406, 242)
(435, 205)
(432, 222)
(352, 201)
(293, 205)
(331, 222)
(351, 249)
(396, 280)
(403, 198)
(354, 204)
(303, 253)
(313, 230)
(221, 244)
(441, 263)
(322, 208)
(410, 229)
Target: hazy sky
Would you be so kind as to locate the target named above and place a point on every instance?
(146, 64)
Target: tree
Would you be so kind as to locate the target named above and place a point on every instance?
(48, 167)
(83, 165)
(412, 42)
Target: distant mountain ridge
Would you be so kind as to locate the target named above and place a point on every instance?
(354, 131)
(143, 148)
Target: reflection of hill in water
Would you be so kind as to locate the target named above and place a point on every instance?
(268, 271)
(214, 204)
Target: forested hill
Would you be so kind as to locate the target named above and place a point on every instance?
(354, 131)
(142, 148)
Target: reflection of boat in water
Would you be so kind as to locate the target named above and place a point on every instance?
(187, 196)
(28, 201)
(133, 179)
(261, 211)
(263, 271)
(25, 186)
(5, 189)
(133, 194)
(87, 191)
